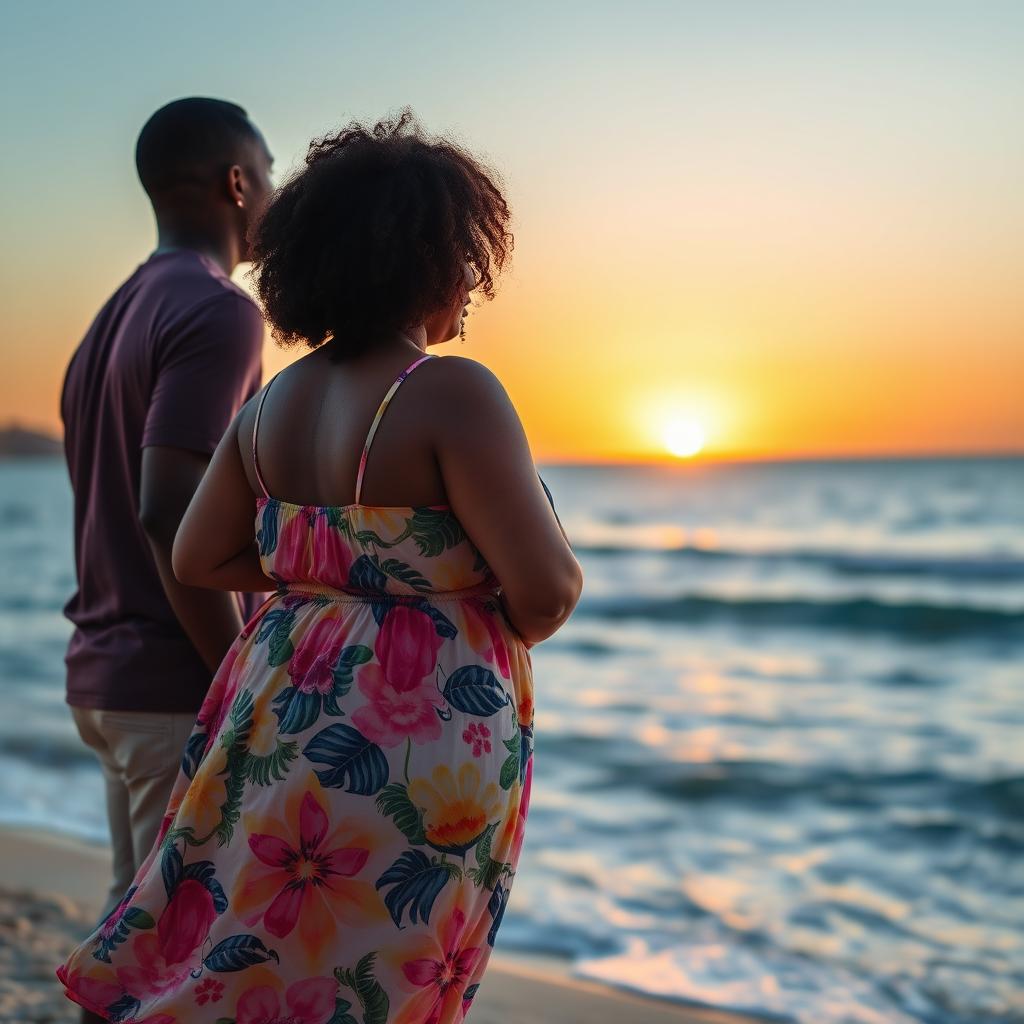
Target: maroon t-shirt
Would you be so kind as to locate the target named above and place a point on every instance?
(168, 361)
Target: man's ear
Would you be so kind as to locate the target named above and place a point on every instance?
(236, 185)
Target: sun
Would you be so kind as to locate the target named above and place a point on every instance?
(683, 438)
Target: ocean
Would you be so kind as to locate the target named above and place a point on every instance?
(779, 752)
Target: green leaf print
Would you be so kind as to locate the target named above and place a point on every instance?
(266, 535)
(337, 519)
(442, 624)
(393, 801)
(371, 537)
(115, 930)
(296, 711)
(235, 740)
(488, 871)
(125, 1008)
(236, 736)
(350, 658)
(415, 883)
(280, 649)
(237, 952)
(373, 999)
(510, 769)
(138, 918)
(365, 575)
(231, 809)
(405, 573)
(171, 867)
(273, 766)
(475, 690)
(355, 764)
(194, 750)
(340, 1015)
(435, 530)
(276, 626)
(269, 622)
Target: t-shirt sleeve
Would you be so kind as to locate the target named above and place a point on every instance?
(209, 366)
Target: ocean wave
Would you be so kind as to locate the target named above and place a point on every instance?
(987, 570)
(55, 753)
(999, 798)
(913, 619)
(17, 513)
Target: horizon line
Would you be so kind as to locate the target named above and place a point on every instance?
(703, 459)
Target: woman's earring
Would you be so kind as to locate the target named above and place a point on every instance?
(239, 203)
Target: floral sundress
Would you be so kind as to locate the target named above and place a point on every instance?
(341, 842)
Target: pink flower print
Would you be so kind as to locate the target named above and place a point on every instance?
(209, 991)
(407, 647)
(95, 992)
(485, 637)
(332, 556)
(186, 921)
(312, 665)
(442, 973)
(221, 693)
(151, 973)
(478, 737)
(165, 826)
(102, 997)
(392, 715)
(305, 875)
(291, 554)
(305, 1002)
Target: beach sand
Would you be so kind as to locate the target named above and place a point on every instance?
(51, 888)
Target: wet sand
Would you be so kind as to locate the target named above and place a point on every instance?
(51, 889)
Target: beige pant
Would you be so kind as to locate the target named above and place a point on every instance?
(140, 753)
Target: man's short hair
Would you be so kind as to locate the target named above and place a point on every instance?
(189, 141)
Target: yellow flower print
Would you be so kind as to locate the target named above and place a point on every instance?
(263, 735)
(201, 804)
(456, 811)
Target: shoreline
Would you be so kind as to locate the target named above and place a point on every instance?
(51, 886)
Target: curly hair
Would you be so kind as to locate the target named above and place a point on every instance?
(373, 235)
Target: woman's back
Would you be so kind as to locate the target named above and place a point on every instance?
(314, 422)
(362, 549)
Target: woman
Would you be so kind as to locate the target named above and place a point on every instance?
(342, 840)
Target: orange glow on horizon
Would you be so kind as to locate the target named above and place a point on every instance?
(805, 249)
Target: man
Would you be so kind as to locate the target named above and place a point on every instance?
(150, 390)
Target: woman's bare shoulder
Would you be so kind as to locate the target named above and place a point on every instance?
(463, 381)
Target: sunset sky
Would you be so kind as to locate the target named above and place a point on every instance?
(795, 228)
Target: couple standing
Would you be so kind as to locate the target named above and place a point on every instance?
(339, 842)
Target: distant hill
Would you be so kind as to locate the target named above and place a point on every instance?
(17, 442)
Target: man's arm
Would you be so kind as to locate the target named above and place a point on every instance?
(209, 366)
(211, 619)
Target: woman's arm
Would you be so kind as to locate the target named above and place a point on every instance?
(216, 545)
(493, 488)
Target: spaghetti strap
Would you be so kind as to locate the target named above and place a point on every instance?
(255, 430)
(381, 409)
